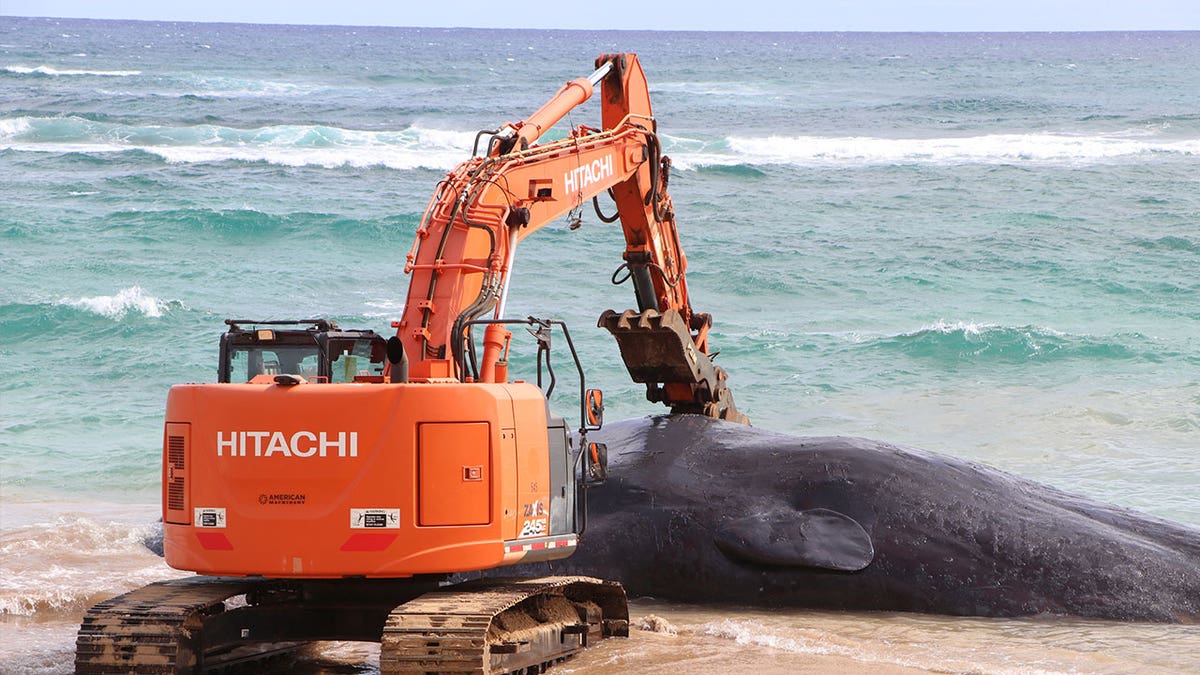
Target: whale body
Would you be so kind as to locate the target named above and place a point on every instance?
(699, 510)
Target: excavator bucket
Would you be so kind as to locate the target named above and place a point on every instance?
(656, 347)
(658, 350)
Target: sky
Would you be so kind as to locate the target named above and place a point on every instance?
(757, 15)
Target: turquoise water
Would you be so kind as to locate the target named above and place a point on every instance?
(985, 245)
(980, 244)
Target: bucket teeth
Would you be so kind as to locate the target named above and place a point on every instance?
(630, 320)
(656, 348)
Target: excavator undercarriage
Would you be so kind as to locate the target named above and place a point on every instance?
(217, 624)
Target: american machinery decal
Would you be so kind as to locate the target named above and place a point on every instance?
(375, 519)
(277, 498)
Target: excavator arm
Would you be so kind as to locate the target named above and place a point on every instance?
(461, 259)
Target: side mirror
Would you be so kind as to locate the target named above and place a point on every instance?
(593, 406)
(597, 461)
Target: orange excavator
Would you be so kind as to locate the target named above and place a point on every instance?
(331, 480)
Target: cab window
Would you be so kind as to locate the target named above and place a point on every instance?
(246, 362)
(352, 358)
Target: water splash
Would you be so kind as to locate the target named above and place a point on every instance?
(66, 564)
(132, 299)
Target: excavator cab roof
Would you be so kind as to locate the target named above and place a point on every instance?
(315, 349)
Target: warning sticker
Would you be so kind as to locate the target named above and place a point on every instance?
(375, 519)
(208, 517)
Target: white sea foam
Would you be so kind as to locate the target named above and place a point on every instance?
(392, 158)
(822, 637)
(61, 557)
(713, 89)
(218, 88)
(14, 126)
(972, 328)
(385, 309)
(285, 144)
(754, 633)
(990, 149)
(117, 306)
(235, 87)
(965, 327)
(48, 70)
(419, 147)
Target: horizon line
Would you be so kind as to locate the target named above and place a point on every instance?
(624, 30)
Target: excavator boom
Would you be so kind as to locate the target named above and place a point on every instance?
(462, 256)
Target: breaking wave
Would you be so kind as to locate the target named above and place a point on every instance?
(66, 564)
(48, 71)
(969, 342)
(419, 147)
(14, 127)
(207, 86)
(32, 320)
(284, 144)
(132, 299)
(989, 149)
(127, 311)
(1182, 244)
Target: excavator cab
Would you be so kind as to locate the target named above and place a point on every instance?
(314, 349)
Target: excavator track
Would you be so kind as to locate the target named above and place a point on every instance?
(227, 625)
(159, 629)
(502, 625)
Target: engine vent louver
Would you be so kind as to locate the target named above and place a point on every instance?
(176, 459)
(175, 492)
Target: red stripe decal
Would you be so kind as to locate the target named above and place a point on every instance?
(369, 541)
(542, 545)
(214, 541)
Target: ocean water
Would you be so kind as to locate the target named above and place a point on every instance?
(985, 245)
